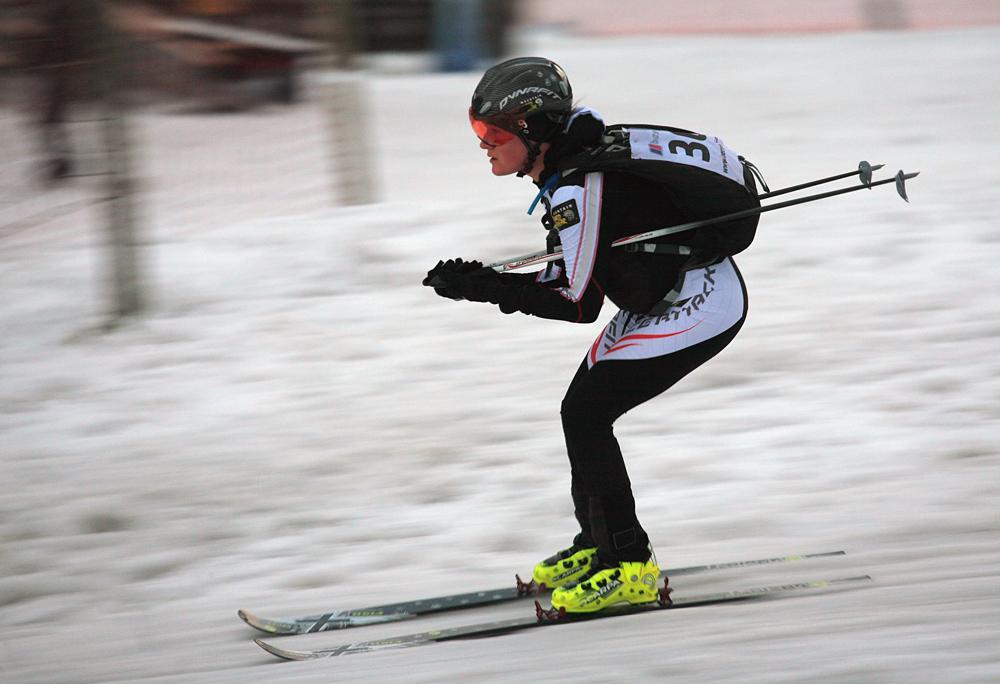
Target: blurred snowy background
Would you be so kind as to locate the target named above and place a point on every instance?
(287, 421)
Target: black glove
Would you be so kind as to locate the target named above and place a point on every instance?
(486, 285)
(443, 277)
(457, 279)
(478, 285)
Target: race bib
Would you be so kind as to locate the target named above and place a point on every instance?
(692, 149)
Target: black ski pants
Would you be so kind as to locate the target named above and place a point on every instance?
(596, 398)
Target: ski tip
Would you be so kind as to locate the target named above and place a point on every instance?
(257, 622)
(281, 652)
(273, 627)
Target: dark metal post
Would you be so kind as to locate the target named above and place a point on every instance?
(128, 297)
(343, 93)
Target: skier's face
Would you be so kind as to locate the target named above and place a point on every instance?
(507, 158)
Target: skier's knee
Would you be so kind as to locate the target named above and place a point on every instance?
(583, 418)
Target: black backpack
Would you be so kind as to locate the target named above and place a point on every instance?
(700, 176)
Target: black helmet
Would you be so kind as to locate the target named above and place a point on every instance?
(530, 96)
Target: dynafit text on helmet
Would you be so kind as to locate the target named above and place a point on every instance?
(649, 217)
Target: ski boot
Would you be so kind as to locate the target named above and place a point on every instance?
(608, 584)
(564, 567)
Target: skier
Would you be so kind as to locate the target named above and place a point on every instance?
(681, 299)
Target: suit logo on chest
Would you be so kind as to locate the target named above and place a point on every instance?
(565, 215)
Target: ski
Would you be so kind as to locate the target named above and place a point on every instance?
(545, 618)
(393, 612)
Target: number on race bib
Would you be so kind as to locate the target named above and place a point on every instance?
(689, 149)
(678, 146)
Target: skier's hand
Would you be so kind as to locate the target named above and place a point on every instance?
(444, 276)
(478, 285)
(437, 278)
(457, 279)
(453, 266)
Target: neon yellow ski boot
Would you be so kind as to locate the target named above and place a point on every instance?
(625, 582)
(564, 567)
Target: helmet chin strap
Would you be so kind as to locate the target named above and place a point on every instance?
(534, 148)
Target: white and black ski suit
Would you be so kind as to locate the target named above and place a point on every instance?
(637, 355)
(676, 311)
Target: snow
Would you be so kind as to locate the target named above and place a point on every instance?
(297, 425)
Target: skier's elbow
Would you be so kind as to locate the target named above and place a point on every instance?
(587, 314)
(589, 306)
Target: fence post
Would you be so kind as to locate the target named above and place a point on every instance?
(128, 296)
(343, 95)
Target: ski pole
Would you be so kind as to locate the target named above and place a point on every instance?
(864, 171)
(542, 257)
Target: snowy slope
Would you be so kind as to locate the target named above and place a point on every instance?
(298, 425)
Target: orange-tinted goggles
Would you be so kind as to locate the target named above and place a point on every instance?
(491, 134)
